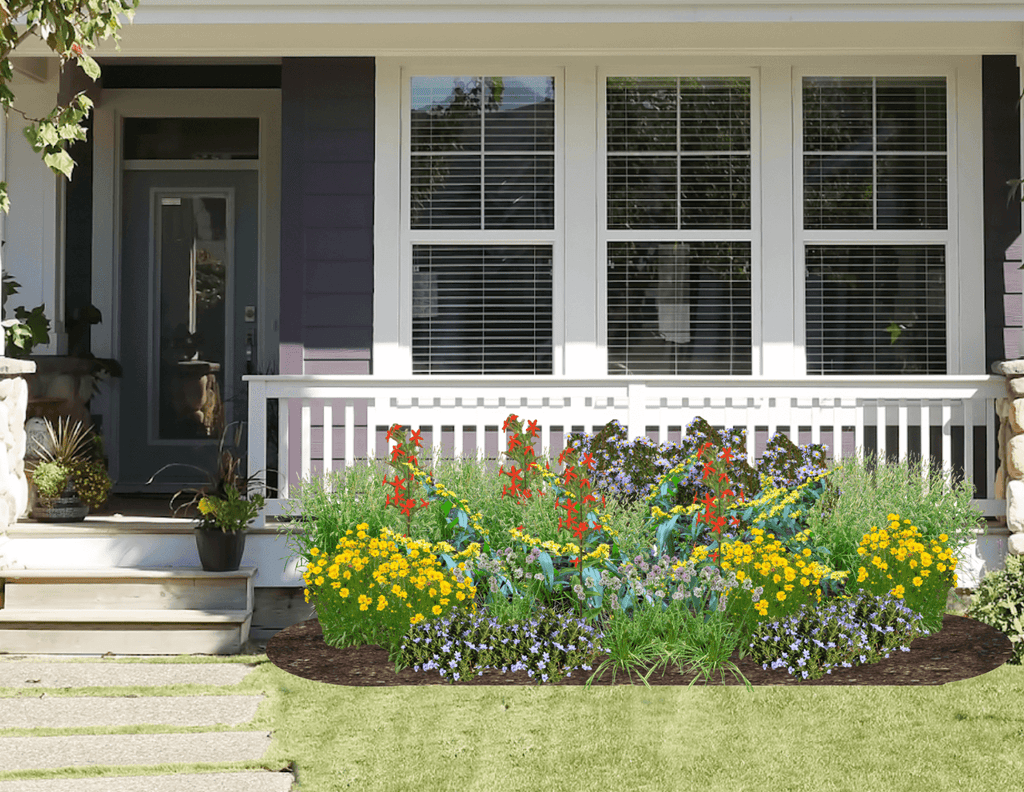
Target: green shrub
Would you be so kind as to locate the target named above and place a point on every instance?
(999, 603)
(51, 478)
(861, 494)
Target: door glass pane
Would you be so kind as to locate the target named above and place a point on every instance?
(192, 265)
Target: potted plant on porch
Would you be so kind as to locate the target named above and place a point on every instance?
(70, 477)
(226, 507)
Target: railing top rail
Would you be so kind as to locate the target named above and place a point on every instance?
(821, 383)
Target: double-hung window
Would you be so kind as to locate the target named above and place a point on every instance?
(876, 223)
(678, 226)
(482, 223)
(768, 218)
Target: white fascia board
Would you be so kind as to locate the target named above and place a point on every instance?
(616, 11)
(560, 40)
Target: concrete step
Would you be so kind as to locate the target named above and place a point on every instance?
(124, 588)
(32, 673)
(192, 782)
(130, 750)
(59, 712)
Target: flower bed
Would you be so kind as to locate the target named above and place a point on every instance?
(460, 570)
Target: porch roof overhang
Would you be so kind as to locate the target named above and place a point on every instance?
(296, 28)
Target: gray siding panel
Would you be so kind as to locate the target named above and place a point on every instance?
(327, 215)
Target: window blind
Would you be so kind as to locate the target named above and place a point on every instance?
(678, 152)
(679, 308)
(875, 152)
(876, 309)
(482, 309)
(482, 153)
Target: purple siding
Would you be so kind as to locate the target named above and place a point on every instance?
(327, 215)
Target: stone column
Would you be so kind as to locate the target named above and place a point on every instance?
(1009, 482)
(13, 401)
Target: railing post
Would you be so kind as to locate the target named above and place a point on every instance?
(256, 445)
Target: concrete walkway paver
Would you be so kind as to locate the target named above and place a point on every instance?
(58, 712)
(43, 753)
(197, 782)
(36, 674)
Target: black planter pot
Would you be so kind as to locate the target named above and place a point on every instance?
(220, 551)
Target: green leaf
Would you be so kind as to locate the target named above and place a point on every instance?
(60, 162)
(547, 567)
(5, 202)
(895, 331)
(89, 66)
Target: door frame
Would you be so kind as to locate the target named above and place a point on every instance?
(108, 170)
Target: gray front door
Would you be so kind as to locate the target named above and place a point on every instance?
(189, 259)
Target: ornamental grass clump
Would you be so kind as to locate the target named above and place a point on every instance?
(370, 590)
(898, 560)
(548, 646)
(861, 629)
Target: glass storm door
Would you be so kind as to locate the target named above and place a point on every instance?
(188, 297)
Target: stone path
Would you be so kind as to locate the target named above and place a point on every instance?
(139, 750)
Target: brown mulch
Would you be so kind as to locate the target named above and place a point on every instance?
(962, 649)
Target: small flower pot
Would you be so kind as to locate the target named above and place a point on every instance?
(220, 551)
(66, 507)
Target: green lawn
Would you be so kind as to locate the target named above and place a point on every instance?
(963, 735)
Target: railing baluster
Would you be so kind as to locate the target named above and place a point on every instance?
(926, 437)
(328, 455)
(837, 430)
(350, 433)
(304, 440)
(947, 440)
(371, 429)
(882, 425)
(903, 449)
(968, 406)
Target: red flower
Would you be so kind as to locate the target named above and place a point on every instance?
(510, 419)
(531, 427)
(415, 438)
(588, 461)
(727, 455)
(394, 430)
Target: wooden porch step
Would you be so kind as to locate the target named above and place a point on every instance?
(126, 588)
(126, 611)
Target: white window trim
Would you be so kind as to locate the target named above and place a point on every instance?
(606, 235)
(778, 304)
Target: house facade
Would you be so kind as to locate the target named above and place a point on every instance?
(326, 218)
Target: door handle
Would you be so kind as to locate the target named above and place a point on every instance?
(250, 352)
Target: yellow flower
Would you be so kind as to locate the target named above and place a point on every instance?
(436, 610)
(898, 592)
(781, 596)
(918, 581)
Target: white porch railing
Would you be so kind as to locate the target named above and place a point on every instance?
(465, 415)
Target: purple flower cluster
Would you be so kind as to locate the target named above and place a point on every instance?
(841, 633)
(548, 646)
